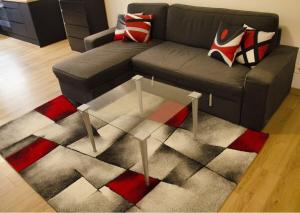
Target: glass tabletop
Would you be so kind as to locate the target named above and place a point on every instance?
(140, 106)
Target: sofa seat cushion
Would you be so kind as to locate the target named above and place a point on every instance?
(101, 64)
(191, 68)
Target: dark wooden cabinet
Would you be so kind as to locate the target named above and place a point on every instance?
(39, 22)
(82, 18)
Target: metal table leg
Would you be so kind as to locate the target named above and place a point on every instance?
(86, 119)
(195, 98)
(144, 154)
(138, 85)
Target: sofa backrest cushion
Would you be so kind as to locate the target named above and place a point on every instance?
(159, 12)
(197, 26)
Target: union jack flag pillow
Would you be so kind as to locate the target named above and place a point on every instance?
(120, 28)
(138, 27)
(227, 42)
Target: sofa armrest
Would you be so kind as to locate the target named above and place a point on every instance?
(98, 39)
(267, 85)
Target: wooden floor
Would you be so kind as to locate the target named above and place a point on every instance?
(271, 184)
(26, 81)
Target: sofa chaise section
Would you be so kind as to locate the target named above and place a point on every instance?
(107, 63)
(94, 72)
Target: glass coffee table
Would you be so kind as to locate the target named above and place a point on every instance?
(145, 100)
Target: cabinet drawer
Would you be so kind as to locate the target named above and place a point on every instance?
(75, 19)
(77, 31)
(18, 28)
(8, 4)
(72, 6)
(14, 14)
(76, 44)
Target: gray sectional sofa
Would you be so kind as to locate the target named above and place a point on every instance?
(177, 54)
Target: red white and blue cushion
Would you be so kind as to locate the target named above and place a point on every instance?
(226, 43)
(138, 27)
(120, 28)
(254, 46)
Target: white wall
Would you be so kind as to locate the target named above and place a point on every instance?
(288, 11)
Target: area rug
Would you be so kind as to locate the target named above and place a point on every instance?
(49, 148)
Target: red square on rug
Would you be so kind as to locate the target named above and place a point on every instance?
(30, 154)
(131, 186)
(57, 108)
(250, 141)
(170, 113)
